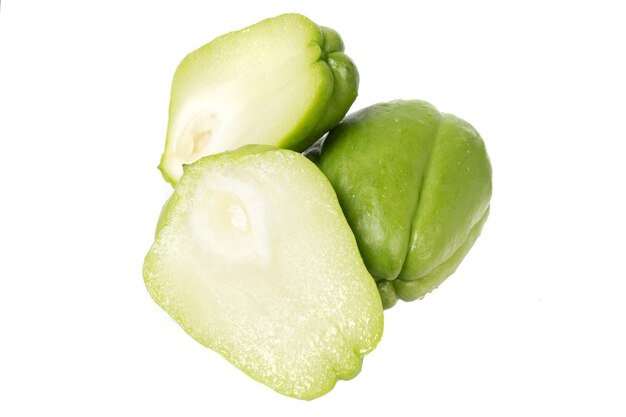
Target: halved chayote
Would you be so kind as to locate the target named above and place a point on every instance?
(283, 81)
(253, 257)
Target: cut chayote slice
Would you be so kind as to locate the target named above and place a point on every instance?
(284, 81)
(415, 186)
(253, 257)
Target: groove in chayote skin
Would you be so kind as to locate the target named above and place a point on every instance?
(417, 289)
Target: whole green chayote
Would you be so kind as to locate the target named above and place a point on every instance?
(415, 186)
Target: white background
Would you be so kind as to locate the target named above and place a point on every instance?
(532, 323)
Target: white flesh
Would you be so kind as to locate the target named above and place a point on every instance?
(256, 261)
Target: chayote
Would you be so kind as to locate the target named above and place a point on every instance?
(254, 259)
(284, 81)
(415, 186)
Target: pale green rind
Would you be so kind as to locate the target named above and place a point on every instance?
(319, 293)
(277, 82)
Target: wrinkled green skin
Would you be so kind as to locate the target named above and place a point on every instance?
(415, 186)
(341, 89)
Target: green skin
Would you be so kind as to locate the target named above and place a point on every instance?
(242, 59)
(415, 186)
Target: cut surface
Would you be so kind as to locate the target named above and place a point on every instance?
(254, 259)
(283, 81)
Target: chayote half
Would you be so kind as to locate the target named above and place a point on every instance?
(415, 186)
(283, 81)
(253, 257)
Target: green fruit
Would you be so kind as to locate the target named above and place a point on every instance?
(415, 186)
(284, 81)
(253, 257)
